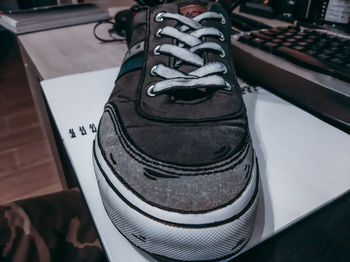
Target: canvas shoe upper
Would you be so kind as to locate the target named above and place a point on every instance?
(173, 143)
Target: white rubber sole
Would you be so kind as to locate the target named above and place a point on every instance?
(174, 235)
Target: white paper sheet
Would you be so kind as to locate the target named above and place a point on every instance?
(304, 162)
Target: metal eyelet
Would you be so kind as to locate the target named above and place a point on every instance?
(158, 33)
(159, 17)
(150, 91)
(228, 87)
(224, 69)
(222, 37)
(223, 19)
(223, 54)
(153, 69)
(156, 50)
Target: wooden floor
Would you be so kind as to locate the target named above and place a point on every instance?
(26, 165)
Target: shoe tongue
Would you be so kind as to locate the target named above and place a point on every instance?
(191, 9)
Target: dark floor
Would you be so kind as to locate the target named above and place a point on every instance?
(26, 164)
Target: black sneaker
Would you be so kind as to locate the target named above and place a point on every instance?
(173, 155)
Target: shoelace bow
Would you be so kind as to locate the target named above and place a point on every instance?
(207, 74)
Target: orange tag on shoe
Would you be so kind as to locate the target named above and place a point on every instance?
(191, 11)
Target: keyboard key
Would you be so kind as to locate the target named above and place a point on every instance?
(288, 34)
(256, 41)
(268, 46)
(299, 48)
(329, 51)
(260, 35)
(276, 31)
(340, 56)
(302, 34)
(311, 52)
(288, 44)
(347, 66)
(336, 60)
(267, 33)
(291, 40)
(323, 56)
(313, 37)
(277, 41)
(292, 30)
(309, 41)
(302, 44)
(282, 28)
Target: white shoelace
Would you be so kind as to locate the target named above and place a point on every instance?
(207, 74)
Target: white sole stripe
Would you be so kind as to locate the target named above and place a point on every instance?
(168, 241)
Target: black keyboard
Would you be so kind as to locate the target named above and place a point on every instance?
(308, 67)
(317, 50)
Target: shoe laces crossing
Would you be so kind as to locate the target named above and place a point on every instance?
(189, 36)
